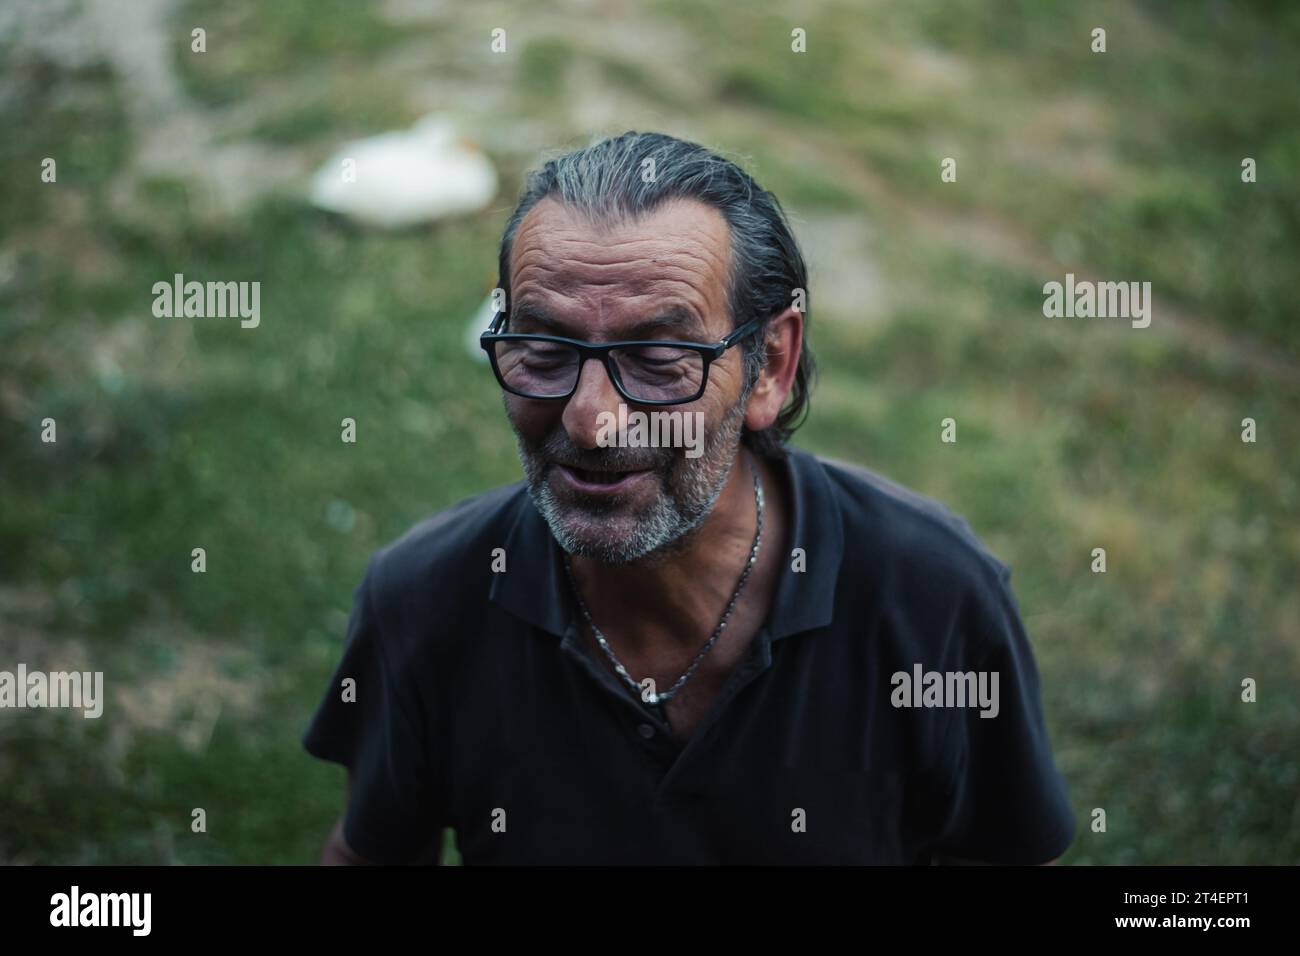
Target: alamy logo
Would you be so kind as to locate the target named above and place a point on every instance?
(923, 688)
(179, 299)
(1102, 300)
(55, 689)
(651, 430)
(102, 909)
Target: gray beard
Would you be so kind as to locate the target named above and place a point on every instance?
(689, 488)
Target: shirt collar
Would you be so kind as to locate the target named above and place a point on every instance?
(534, 588)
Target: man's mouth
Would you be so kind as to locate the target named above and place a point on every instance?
(600, 481)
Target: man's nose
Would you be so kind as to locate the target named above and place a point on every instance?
(595, 394)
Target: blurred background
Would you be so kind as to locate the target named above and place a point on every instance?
(926, 302)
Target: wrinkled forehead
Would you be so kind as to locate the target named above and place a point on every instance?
(600, 278)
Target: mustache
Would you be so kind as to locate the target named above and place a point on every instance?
(558, 449)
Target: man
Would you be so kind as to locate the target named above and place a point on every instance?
(732, 653)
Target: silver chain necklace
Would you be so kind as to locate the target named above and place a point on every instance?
(658, 699)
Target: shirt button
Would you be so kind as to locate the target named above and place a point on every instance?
(646, 731)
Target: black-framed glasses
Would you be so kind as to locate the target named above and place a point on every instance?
(645, 371)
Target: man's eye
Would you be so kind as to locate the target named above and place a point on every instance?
(656, 357)
(548, 356)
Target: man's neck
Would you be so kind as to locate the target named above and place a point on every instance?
(679, 599)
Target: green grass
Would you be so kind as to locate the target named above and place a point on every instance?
(176, 434)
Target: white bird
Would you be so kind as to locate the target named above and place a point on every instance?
(401, 179)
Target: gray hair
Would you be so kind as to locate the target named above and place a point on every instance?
(606, 180)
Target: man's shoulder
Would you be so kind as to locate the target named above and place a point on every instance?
(919, 565)
(447, 545)
(903, 531)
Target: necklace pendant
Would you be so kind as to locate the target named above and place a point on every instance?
(655, 699)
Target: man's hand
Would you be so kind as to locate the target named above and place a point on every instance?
(337, 852)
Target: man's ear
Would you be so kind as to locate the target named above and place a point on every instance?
(783, 340)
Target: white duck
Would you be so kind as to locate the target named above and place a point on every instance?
(401, 179)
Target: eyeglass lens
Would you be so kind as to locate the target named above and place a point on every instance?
(650, 373)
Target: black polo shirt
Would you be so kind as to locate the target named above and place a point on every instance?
(477, 707)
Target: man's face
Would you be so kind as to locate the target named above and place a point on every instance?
(661, 276)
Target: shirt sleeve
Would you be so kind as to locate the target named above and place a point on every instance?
(1008, 801)
(371, 728)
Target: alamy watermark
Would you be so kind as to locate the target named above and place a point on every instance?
(74, 908)
(1102, 300)
(179, 299)
(74, 689)
(676, 429)
(922, 688)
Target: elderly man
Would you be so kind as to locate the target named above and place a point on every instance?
(746, 654)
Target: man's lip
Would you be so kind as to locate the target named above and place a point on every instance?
(595, 487)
